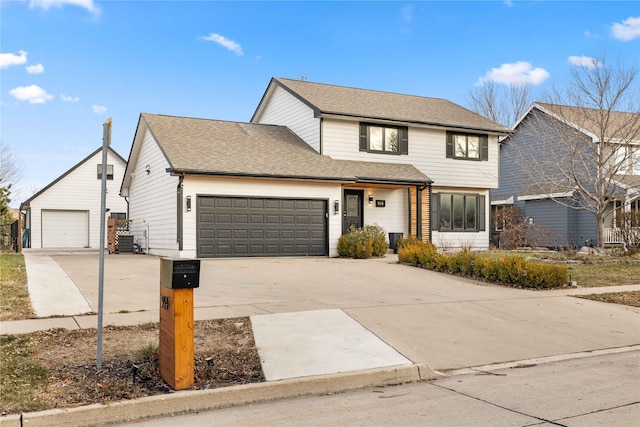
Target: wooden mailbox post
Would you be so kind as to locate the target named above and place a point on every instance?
(178, 277)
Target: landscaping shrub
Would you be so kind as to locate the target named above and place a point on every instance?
(508, 270)
(362, 243)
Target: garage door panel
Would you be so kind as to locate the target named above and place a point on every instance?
(243, 227)
(65, 229)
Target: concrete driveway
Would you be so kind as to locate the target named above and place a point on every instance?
(440, 320)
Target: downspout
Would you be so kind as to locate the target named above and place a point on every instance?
(430, 210)
(127, 200)
(320, 142)
(180, 212)
(419, 212)
(409, 201)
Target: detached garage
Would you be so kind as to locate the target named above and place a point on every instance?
(66, 213)
(251, 226)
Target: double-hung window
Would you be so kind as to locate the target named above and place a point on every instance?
(458, 212)
(377, 138)
(466, 146)
(109, 172)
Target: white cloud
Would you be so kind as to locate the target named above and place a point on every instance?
(99, 109)
(517, 73)
(32, 94)
(8, 59)
(508, 3)
(69, 98)
(35, 69)
(407, 13)
(584, 61)
(588, 34)
(89, 5)
(628, 30)
(224, 42)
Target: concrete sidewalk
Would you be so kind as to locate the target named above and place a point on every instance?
(317, 317)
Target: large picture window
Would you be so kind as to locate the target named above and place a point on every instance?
(458, 212)
(464, 146)
(376, 138)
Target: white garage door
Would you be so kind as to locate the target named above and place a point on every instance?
(65, 229)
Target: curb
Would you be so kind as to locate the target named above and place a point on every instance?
(202, 400)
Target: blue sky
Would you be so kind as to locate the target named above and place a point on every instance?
(68, 65)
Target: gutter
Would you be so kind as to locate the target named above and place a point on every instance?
(354, 180)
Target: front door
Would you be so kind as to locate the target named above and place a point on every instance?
(352, 210)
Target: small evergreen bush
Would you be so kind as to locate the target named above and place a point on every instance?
(362, 243)
(508, 270)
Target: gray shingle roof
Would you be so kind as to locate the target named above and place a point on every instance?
(619, 125)
(371, 104)
(214, 147)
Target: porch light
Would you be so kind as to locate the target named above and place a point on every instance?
(336, 207)
(188, 203)
(370, 199)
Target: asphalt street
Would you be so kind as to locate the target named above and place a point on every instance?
(599, 390)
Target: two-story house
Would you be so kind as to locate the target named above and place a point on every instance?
(555, 157)
(315, 160)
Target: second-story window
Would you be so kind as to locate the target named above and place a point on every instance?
(375, 138)
(465, 146)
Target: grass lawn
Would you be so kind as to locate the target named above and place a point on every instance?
(631, 298)
(14, 295)
(590, 275)
(20, 376)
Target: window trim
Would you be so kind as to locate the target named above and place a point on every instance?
(480, 212)
(403, 138)
(109, 172)
(483, 154)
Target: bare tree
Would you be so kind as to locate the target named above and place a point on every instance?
(502, 104)
(586, 140)
(11, 170)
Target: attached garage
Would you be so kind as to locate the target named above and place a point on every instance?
(253, 226)
(65, 229)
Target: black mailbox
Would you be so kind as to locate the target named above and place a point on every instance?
(180, 273)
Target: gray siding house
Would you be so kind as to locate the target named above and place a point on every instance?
(546, 204)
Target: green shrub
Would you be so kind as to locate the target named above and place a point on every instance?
(362, 243)
(508, 270)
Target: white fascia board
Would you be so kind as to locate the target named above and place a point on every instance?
(545, 196)
(508, 201)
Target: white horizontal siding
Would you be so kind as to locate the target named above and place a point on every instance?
(427, 152)
(152, 200)
(195, 186)
(394, 216)
(80, 190)
(286, 110)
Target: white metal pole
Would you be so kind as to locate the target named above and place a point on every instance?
(106, 142)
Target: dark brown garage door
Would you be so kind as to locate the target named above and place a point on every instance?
(242, 226)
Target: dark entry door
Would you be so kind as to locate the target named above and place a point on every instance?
(353, 200)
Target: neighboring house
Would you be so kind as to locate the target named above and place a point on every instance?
(66, 213)
(315, 160)
(545, 204)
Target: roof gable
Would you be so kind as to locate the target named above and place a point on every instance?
(376, 105)
(621, 125)
(67, 173)
(214, 147)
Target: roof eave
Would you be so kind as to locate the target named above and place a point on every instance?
(333, 114)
